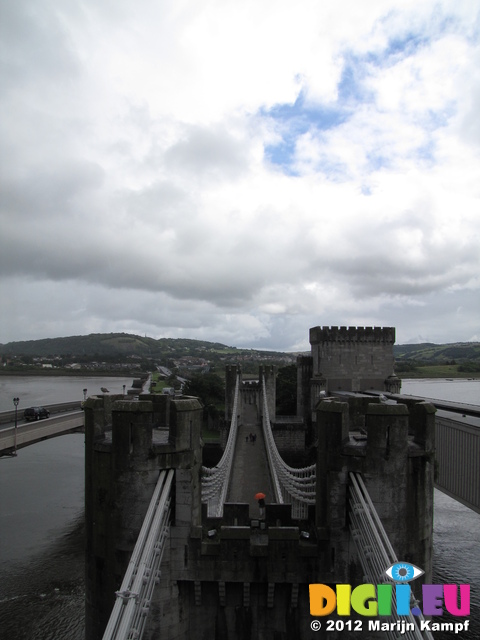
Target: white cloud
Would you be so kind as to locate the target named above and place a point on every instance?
(240, 171)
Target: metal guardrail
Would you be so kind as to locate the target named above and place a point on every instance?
(131, 608)
(375, 552)
(31, 432)
(9, 416)
(457, 455)
(215, 480)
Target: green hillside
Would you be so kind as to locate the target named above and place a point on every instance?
(438, 353)
(437, 360)
(124, 347)
(425, 359)
(109, 344)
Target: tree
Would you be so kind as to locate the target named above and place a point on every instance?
(471, 366)
(287, 391)
(209, 388)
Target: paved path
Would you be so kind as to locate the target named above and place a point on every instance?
(250, 473)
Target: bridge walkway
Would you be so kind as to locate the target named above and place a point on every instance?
(250, 472)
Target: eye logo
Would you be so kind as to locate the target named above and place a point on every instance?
(403, 572)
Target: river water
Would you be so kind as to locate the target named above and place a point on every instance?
(42, 586)
(38, 390)
(41, 521)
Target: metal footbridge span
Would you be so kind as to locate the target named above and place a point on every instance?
(288, 484)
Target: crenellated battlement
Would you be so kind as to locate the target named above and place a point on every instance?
(352, 334)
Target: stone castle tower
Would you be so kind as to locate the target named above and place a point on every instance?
(351, 359)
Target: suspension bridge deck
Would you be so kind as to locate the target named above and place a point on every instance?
(250, 472)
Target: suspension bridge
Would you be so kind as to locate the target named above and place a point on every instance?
(176, 548)
(233, 529)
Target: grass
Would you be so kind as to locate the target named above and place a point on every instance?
(438, 371)
(210, 436)
(157, 384)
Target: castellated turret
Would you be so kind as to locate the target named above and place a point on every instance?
(353, 358)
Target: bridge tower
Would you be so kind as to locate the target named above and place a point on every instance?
(396, 458)
(127, 443)
(231, 373)
(354, 358)
(304, 376)
(270, 373)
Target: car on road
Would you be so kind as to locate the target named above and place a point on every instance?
(35, 413)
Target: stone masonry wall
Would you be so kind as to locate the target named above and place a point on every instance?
(289, 438)
(396, 460)
(353, 358)
(125, 452)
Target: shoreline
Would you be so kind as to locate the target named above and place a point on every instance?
(100, 373)
(79, 373)
(461, 375)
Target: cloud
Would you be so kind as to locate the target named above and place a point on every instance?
(240, 172)
(207, 151)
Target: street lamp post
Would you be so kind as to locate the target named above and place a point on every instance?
(15, 402)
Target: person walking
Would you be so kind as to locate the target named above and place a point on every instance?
(261, 503)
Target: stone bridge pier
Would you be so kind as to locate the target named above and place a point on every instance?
(127, 443)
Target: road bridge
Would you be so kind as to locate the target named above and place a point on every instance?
(7, 418)
(13, 438)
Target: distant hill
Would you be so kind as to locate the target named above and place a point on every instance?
(117, 344)
(125, 344)
(430, 353)
(90, 345)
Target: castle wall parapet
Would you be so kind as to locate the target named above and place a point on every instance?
(352, 334)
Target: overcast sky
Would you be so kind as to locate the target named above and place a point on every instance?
(240, 170)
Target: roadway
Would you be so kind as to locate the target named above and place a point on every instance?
(250, 472)
(28, 433)
(7, 418)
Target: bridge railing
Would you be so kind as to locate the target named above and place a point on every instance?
(291, 485)
(457, 453)
(130, 611)
(215, 480)
(12, 438)
(375, 551)
(9, 416)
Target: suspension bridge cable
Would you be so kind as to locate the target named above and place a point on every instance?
(215, 480)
